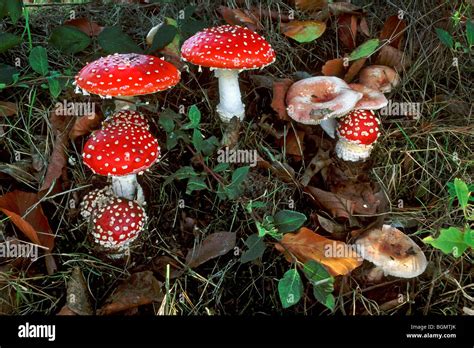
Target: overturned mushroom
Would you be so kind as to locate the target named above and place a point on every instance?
(379, 77)
(371, 98)
(392, 251)
(320, 100)
(229, 49)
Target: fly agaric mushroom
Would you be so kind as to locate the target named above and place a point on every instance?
(320, 100)
(94, 201)
(229, 49)
(118, 224)
(392, 251)
(371, 98)
(379, 77)
(126, 76)
(357, 132)
(122, 151)
(127, 116)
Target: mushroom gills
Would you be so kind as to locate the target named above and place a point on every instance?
(329, 126)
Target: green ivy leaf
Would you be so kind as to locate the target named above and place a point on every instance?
(364, 50)
(196, 184)
(289, 220)
(38, 60)
(7, 73)
(450, 240)
(14, 8)
(8, 41)
(221, 167)
(194, 116)
(462, 193)
(470, 32)
(209, 145)
(69, 39)
(113, 40)
(469, 236)
(290, 288)
(197, 140)
(238, 177)
(255, 248)
(445, 37)
(163, 37)
(322, 281)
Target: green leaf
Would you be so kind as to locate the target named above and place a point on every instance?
(221, 167)
(167, 123)
(267, 227)
(290, 288)
(196, 184)
(462, 193)
(445, 37)
(69, 39)
(450, 240)
(14, 9)
(289, 220)
(322, 281)
(8, 41)
(190, 27)
(171, 140)
(38, 60)
(364, 50)
(54, 87)
(209, 145)
(304, 31)
(469, 236)
(7, 73)
(185, 172)
(163, 37)
(470, 32)
(194, 116)
(197, 140)
(255, 248)
(238, 177)
(113, 40)
(255, 205)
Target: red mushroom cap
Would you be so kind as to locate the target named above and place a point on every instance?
(121, 149)
(127, 116)
(127, 74)
(359, 126)
(118, 223)
(228, 47)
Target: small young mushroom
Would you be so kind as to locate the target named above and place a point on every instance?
(94, 201)
(379, 77)
(320, 100)
(357, 133)
(126, 116)
(229, 49)
(126, 76)
(122, 151)
(371, 98)
(392, 251)
(118, 224)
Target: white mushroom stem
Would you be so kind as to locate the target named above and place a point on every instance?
(329, 126)
(125, 103)
(125, 186)
(230, 99)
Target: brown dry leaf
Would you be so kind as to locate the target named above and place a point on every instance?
(84, 125)
(338, 8)
(85, 25)
(235, 16)
(336, 205)
(58, 158)
(65, 310)
(347, 30)
(310, 5)
(215, 245)
(307, 245)
(330, 226)
(283, 171)
(318, 162)
(334, 67)
(8, 108)
(34, 225)
(78, 300)
(280, 87)
(294, 143)
(393, 57)
(303, 31)
(393, 31)
(140, 289)
(160, 263)
(354, 69)
(364, 26)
